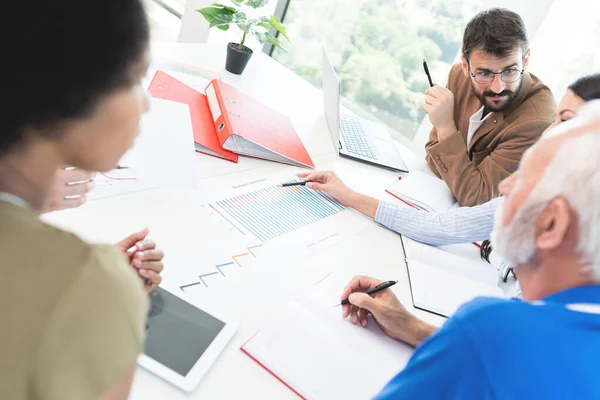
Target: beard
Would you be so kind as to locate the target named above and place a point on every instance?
(515, 242)
(508, 97)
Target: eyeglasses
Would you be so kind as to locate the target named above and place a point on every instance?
(510, 75)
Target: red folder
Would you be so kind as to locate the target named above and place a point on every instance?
(246, 126)
(166, 87)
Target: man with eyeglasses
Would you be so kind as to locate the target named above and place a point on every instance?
(491, 111)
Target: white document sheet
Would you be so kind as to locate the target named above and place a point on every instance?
(424, 191)
(441, 291)
(322, 356)
(472, 269)
(162, 155)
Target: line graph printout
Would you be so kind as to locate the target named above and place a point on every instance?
(274, 211)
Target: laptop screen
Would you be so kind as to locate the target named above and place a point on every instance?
(331, 100)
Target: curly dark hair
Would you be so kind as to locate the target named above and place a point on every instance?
(66, 56)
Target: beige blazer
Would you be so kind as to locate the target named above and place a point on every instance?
(473, 173)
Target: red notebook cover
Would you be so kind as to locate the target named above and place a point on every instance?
(269, 371)
(246, 126)
(166, 87)
(402, 200)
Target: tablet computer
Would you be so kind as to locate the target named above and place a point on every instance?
(182, 341)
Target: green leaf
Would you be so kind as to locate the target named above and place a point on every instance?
(223, 27)
(240, 16)
(273, 40)
(262, 38)
(221, 19)
(217, 16)
(237, 2)
(245, 25)
(230, 9)
(256, 3)
(274, 21)
(209, 13)
(265, 25)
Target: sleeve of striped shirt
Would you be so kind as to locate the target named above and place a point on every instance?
(458, 225)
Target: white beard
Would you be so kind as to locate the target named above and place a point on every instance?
(516, 241)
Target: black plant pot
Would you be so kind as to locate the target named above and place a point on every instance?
(237, 59)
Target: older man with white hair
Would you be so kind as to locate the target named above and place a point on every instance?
(546, 345)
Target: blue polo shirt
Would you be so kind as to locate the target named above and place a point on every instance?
(509, 349)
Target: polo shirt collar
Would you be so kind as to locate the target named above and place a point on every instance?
(583, 294)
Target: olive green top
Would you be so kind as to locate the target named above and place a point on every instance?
(72, 314)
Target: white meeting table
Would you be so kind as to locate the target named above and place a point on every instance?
(260, 294)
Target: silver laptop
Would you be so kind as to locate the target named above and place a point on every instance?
(355, 137)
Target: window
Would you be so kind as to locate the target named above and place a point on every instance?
(567, 44)
(378, 47)
(167, 19)
(164, 25)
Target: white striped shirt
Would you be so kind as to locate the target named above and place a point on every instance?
(457, 225)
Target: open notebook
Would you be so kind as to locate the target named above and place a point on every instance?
(442, 292)
(319, 355)
(423, 191)
(440, 282)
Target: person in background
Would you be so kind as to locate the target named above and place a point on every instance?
(542, 347)
(73, 314)
(69, 190)
(459, 225)
(492, 110)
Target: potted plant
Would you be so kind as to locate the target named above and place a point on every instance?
(222, 17)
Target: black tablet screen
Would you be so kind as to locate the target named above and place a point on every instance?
(177, 333)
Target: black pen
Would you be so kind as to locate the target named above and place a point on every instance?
(376, 289)
(427, 72)
(299, 183)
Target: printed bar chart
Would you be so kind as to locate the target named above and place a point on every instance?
(276, 210)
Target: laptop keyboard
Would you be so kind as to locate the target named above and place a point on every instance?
(355, 138)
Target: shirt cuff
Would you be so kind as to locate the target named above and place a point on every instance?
(385, 214)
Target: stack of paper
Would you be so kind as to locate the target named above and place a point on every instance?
(319, 355)
(162, 154)
(423, 191)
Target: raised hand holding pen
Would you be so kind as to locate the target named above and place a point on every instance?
(439, 106)
(426, 68)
